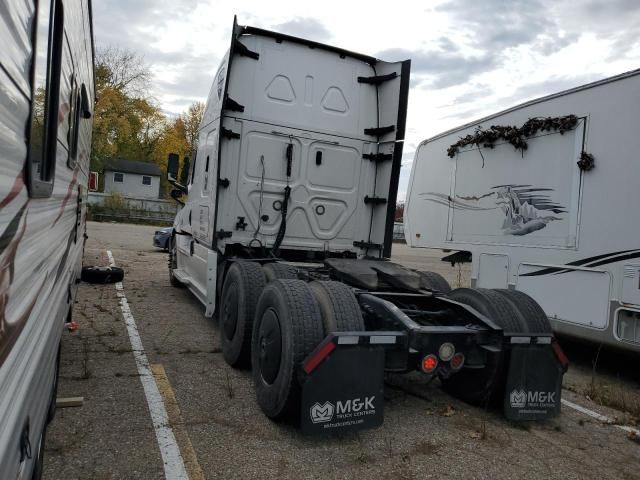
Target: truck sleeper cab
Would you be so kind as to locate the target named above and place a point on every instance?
(287, 232)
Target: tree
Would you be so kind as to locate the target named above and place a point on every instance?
(127, 124)
(122, 70)
(192, 119)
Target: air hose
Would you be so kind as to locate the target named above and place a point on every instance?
(285, 202)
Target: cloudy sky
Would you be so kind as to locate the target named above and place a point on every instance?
(469, 58)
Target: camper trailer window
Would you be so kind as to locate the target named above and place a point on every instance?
(74, 123)
(118, 177)
(45, 97)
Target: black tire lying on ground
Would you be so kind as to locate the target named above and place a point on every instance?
(485, 386)
(287, 327)
(275, 270)
(93, 274)
(433, 281)
(173, 264)
(534, 315)
(243, 284)
(339, 308)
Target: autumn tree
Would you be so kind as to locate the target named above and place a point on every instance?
(127, 124)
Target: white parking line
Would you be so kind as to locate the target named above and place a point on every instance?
(600, 417)
(174, 468)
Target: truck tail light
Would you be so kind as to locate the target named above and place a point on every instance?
(429, 363)
(457, 361)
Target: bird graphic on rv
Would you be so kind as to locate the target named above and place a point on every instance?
(526, 209)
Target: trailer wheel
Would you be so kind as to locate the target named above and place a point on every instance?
(287, 327)
(242, 286)
(482, 386)
(338, 306)
(434, 281)
(275, 270)
(534, 315)
(93, 274)
(173, 263)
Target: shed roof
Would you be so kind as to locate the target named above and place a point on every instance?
(132, 166)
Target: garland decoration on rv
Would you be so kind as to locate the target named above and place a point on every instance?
(516, 136)
(586, 162)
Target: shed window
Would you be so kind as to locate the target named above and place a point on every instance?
(118, 177)
(146, 180)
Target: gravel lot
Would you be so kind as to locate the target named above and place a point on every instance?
(222, 433)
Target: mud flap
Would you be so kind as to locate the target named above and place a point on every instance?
(534, 380)
(343, 386)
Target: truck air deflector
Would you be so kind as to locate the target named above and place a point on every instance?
(403, 100)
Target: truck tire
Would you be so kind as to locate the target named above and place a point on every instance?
(173, 264)
(339, 308)
(434, 281)
(94, 274)
(287, 327)
(484, 386)
(243, 284)
(275, 270)
(534, 315)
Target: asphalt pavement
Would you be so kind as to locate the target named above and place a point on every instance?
(220, 431)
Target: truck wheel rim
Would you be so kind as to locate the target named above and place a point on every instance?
(230, 312)
(270, 344)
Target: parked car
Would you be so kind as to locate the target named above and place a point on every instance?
(161, 238)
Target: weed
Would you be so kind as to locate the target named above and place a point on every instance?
(229, 385)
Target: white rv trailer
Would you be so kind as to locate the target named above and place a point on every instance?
(46, 102)
(536, 221)
(287, 231)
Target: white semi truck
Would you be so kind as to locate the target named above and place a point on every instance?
(46, 108)
(544, 197)
(286, 234)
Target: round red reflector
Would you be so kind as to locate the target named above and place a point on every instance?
(429, 363)
(457, 361)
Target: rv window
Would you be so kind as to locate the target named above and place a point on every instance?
(45, 93)
(146, 180)
(74, 122)
(118, 177)
(193, 167)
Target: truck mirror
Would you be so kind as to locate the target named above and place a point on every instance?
(172, 166)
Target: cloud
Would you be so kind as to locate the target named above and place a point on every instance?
(476, 92)
(498, 25)
(306, 28)
(441, 69)
(550, 86)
